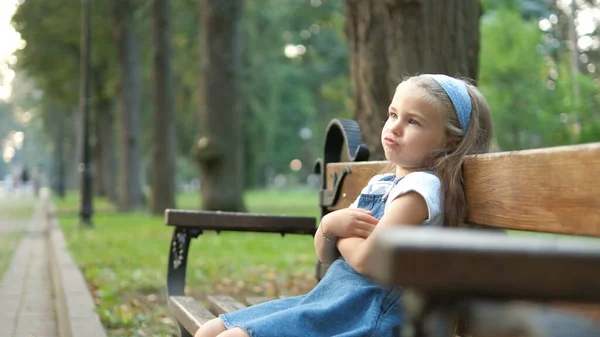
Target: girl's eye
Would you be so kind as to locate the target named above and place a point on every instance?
(392, 115)
(412, 121)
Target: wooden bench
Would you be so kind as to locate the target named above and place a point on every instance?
(447, 273)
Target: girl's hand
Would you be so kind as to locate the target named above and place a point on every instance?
(349, 222)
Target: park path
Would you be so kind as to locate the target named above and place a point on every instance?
(42, 292)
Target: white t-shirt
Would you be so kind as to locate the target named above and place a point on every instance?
(425, 183)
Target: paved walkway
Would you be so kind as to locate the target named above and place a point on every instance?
(25, 291)
(32, 304)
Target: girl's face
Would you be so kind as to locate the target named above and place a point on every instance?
(413, 130)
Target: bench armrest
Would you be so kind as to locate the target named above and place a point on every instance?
(471, 263)
(233, 221)
(190, 224)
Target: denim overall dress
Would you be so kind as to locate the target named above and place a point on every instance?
(344, 303)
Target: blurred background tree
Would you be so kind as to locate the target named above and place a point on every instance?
(389, 40)
(301, 63)
(538, 72)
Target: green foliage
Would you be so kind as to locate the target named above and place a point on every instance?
(281, 95)
(51, 55)
(530, 93)
(511, 78)
(530, 9)
(579, 116)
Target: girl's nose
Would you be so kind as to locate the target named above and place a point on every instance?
(397, 128)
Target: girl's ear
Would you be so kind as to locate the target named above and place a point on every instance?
(452, 142)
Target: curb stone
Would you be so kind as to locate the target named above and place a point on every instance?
(73, 301)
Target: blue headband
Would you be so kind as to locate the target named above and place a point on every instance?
(457, 91)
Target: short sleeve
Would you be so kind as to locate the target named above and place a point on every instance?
(367, 189)
(429, 187)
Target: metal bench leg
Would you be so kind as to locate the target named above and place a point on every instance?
(178, 253)
(428, 316)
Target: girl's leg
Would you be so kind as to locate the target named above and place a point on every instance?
(211, 328)
(235, 332)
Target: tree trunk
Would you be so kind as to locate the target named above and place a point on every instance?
(74, 148)
(105, 158)
(59, 174)
(130, 193)
(395, 38)
(220, 151)
(163, 124)
(97, 150)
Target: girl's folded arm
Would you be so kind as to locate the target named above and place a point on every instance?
(407, 209)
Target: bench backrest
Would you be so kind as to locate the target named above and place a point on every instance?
(554, 190)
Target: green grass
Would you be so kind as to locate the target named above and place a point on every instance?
(16, 208)
(70, 204)
(8, 243)
(124, 260)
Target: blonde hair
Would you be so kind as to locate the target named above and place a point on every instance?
(447, 162)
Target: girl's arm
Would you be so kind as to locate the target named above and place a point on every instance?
(343, 223)
(407, 209)
(326, 250)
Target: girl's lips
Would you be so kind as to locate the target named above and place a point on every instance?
(390, 141)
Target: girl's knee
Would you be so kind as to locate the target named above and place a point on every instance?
(235, 332)
(211, 328)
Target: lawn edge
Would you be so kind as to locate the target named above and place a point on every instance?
(75, 308)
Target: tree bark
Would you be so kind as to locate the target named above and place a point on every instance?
(98, 149)
(105, 156)
(130, 194)
(74, 148)
(220, 151)
(391, 39)
(59, 174)
(163, 124)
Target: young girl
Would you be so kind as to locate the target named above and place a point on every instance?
(434, 121)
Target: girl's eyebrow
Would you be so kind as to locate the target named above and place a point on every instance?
(417, 114)
(411, 113)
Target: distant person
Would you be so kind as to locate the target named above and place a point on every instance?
(37, 177)
(25, 175)
(24, 180)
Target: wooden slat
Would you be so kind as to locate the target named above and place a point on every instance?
(257, 300)
(224, 304)
(232, 221)
(551, 190)
(554, 190)
(476, 263)
(360, 174)
(189, 312)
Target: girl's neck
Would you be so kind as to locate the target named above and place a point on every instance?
(402, 171)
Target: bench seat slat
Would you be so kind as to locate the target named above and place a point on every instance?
(257, 300)
(224, 304)
(189, 312)
(234, 221)
(477, 263)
